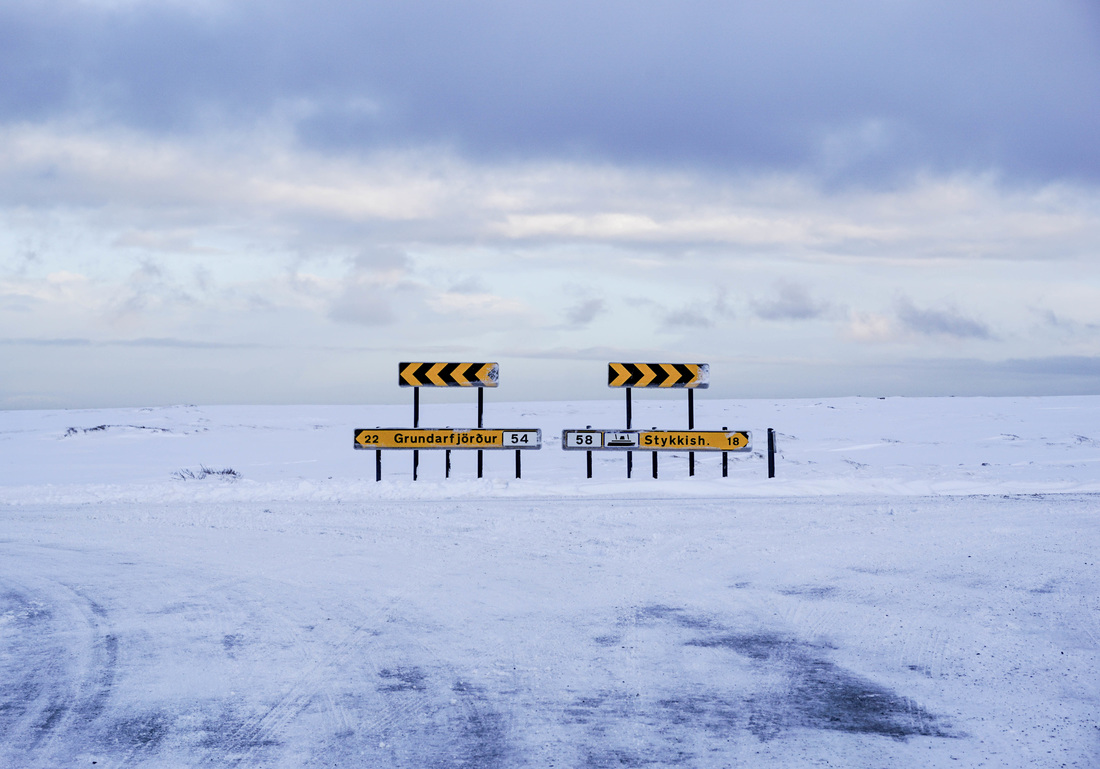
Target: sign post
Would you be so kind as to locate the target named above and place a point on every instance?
(480, 424)
(688, 376)
(417, 438)
(691, 426)
(725, 460)
(419, 374)
(629, 454)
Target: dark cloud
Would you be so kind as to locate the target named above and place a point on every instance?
(791, 302)
(689, 318)
(940, 322)
(381, 258)
(585, 311)
(1053, 320)
(859, 90)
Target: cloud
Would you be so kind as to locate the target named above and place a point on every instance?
(871, 327)
(791, 302)
(1062, 366)
(857, 91)
(467, 284)
(1060, 322)
(479, 306)
(381, 257)
(688, 318)
(364, 304)
(366, 295)
(307, 176)
(949, 323)
(585, 311)
(195, 196)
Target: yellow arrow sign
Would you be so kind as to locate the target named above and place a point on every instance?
(448, 374)
(408, 375)
(657, 440)
(433, 375)
(488, 374)
(619, 374)
(690, 375)
(648, 375)
(459, 375)
(447, 438)
(694, 440)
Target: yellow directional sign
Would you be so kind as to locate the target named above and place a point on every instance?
(693, 375)
(447, 438)
(656, 440)
(448, 374)
(694, 440)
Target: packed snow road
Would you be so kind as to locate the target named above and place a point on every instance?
(843, 631)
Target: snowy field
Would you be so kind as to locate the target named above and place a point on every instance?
(918, 587)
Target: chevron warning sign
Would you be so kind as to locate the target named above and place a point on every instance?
(448, 374)
(695, 375)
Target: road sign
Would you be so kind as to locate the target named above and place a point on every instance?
(447, 438)
(657, 440)
(693, 375)
(582, 439)
(694, 440)
(448, 374)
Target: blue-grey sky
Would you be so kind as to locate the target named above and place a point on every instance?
(235, 201)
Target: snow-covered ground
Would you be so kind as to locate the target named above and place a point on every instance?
(918, 586)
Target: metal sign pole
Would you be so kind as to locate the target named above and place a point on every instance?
(629, 454)
(655, 460)
(725, 459)
(419, 374)
(589, 453)
(691, 426)
(771, 453)
(378, 465)
(480, 423)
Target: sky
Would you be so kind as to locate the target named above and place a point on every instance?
(246, 201)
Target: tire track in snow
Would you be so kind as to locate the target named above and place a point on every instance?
(65, 663)
(370, 687)
(322, 663)
(242, 744)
